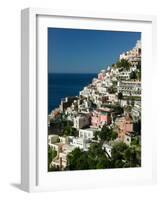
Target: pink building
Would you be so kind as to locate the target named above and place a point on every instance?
(100, 117)
(101, 76)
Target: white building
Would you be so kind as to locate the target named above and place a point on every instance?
(63, 140)
(85, 92)
(87, 134)
(81, 122)
(136, 110)
(112, 97)
(124, 102)
(80, 143)
(124, 75)
(132, 54)
(52, 139)
(129, 88)
(102, 89)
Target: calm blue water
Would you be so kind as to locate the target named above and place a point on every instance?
(64, 85)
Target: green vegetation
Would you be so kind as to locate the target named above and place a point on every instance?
(139, 75)
(94, 158)
(135, 141)
(139, 65)
(135, 75)
(122, 156)
(53, 168)
(60, 123)
(106, 149)
(123, 64)
(132, 98)
(70, 131)
(106, 134)
(113, 65)
(120, 95)
(137, 127)
(51, 155)
(117, 109)
(127, 108)
(112, 90)
(114, 83)
(62, 127)
(77, 160)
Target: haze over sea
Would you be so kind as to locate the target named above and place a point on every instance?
(61, 85)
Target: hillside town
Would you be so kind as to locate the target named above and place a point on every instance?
(101, 127)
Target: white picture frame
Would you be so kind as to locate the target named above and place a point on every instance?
(34, 176)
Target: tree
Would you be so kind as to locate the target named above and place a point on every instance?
(123, 64)
(118, 150)
(117, 154)
(135, 141)
(69, 131)
(103, 162)
(118, 109)
(95, 150)
(137, 127)
(113, 135)
(120, 96)
(111, 90)
(96, 135)
(124, 156)
(113, 65)
(106, 134)
(97, 158)
(72, 159)
(133, 156)
(133, 75)
(94, 158)
(139, 65)
(51, 155)
(139, 74)
(128, 108)
(82, 162)
(103, 134)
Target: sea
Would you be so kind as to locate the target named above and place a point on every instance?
(61, 85)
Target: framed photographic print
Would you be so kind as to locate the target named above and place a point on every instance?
(87, 117)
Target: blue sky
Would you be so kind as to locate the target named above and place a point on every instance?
(86, 51)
